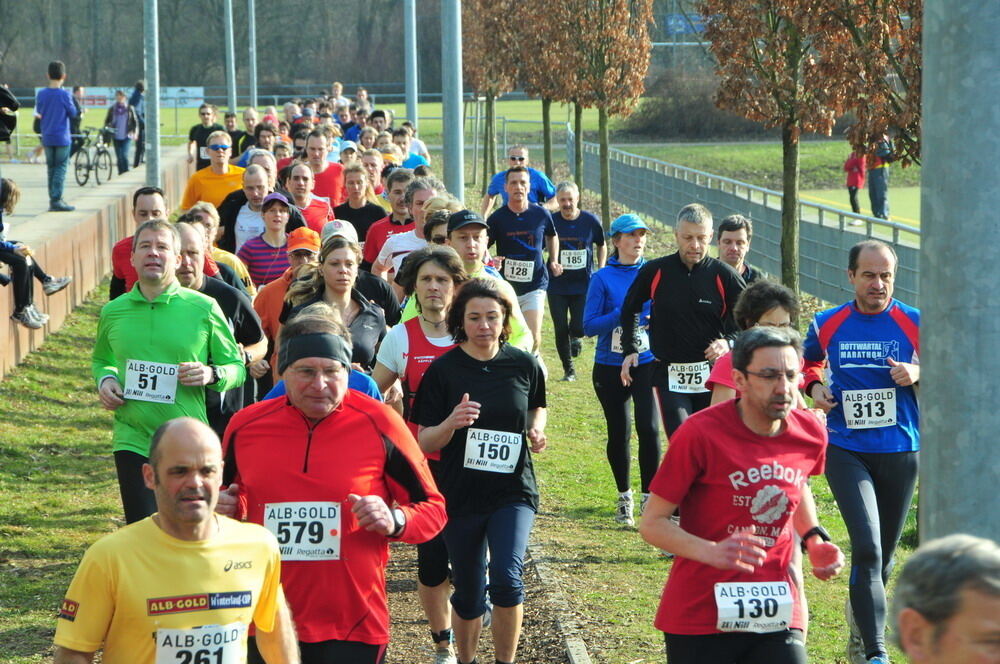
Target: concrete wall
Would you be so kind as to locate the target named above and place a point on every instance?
(79, 244)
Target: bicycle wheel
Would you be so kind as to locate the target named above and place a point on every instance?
(81, 167)
(102, 165)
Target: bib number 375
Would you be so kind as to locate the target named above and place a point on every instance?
(753, 607)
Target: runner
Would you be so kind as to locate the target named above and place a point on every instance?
(359, 209)
(207, 217)
(871, 346)
(691, 318)
(734, 236)
(183, 584)
(316, 210)
(198, 137)
(540, 190)
(157, 348)
(398, 246)
(329, 175)
(519, 230)
(431, 276)
(240, 215)
(578, 232)
(266, 255)
(601, 317)
(481, 405)
(327, 492)
(398, 220)
(739, 471)
(217, 180)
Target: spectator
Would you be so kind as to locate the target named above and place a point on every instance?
(55, 108)
(122, 120)
(138, 102)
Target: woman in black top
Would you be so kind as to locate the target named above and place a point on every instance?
(482, 404)
(332, 280)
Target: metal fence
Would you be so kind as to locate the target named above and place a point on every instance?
(658, 190)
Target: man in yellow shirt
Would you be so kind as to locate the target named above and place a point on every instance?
(188, 578)
(214, 182)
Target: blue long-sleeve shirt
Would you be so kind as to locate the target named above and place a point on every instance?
(56, 108)
(602, 312)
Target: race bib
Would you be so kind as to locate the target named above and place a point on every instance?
(519, 271)
(305, 531)
(150, 381)
(869, 409)
(689, 377)
(492, 451)
(212, 644)
(203, 152)
(573, 259)
(753, 607)
(642, 342)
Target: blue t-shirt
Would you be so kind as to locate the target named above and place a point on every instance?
(357, 380)
(576, 252)
(414, 160)
(56, 107)
(541, 190)
(603, 311)
(353, 134)
(520, 239)
(857, 347)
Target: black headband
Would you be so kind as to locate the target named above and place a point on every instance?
(321, 344)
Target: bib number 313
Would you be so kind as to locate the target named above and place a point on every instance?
(212, 644)
(754, 607)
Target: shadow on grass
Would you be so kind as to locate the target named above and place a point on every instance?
(25, 641)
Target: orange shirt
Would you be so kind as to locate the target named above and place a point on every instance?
(205, 185)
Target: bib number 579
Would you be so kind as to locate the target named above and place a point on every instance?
(292, 532)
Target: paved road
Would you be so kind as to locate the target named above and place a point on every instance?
(33, 182)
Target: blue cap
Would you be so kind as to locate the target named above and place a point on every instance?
(627, 223)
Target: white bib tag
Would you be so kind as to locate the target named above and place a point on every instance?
(212, 644)
(616, 340)
(690, 377)
(150, 381)
(573, 259)
(754, 607)
(519, 271)
(203, 152)
(869, 409)
(305, 531)
(492, 451)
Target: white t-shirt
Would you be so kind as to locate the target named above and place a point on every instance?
(248, 224)
(398, 247)
(395, 346)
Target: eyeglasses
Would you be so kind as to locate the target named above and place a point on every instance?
(439, 239)
(512, 158)
(772, 376)
(218, 147)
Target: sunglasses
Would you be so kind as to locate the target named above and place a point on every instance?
(517, 158)
(218, 147)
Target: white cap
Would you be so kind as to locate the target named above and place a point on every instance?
(339, 227)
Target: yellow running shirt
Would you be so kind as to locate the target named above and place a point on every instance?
(148, 597)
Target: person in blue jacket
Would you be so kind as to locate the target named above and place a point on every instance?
(601, 317)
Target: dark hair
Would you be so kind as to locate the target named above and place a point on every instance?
(759, 298)
(436, 219)
(377, 114)
(471, 289)
(400, 132)
(763, 337)
(10, 194)
(140, 85)
(398, 174)
(515, 169)
(57, 70)
(147, 191)
(264, 126)
(230, 114)
(855, 252)
(423, 171)
(306, 134)
(445, 258)
(734, 222)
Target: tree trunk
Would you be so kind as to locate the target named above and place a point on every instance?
(489, 142)
(578, 145)
(547, 133)
(602, 128)
(790, 209)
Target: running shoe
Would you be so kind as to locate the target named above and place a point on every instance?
(55, 284)
(569, 376)
(60, 206)
(878, 659)
(855, 645)
(623, 512)
(4, 279)
(25, 318)
(36, 314)
(445, 655)
(642, 503)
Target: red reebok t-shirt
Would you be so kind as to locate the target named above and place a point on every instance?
(381, 231)
(726, 478)
(330, 184)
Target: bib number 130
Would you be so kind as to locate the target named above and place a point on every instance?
(753, 607)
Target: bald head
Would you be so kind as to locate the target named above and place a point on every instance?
(175, 431)
(256, 185)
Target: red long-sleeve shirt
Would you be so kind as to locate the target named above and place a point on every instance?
(277, 456)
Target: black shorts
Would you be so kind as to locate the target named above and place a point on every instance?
(785, 647)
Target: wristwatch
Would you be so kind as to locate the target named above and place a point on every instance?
(815, 530)
(398, 522)
(215, 375)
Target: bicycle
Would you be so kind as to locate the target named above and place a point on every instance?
(92, 156)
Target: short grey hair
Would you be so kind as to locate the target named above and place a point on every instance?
(427, 183)
(157, 225)
(567, 186)
(254, 169)
(261, 152)
(763, 337)
(694, 213)
(937, 573)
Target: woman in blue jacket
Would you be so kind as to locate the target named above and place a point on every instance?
(602, 313)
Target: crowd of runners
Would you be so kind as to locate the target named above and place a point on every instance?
(323, 341)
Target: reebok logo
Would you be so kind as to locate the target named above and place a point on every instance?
(765, 472)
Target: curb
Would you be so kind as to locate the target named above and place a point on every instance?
(567, 624)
